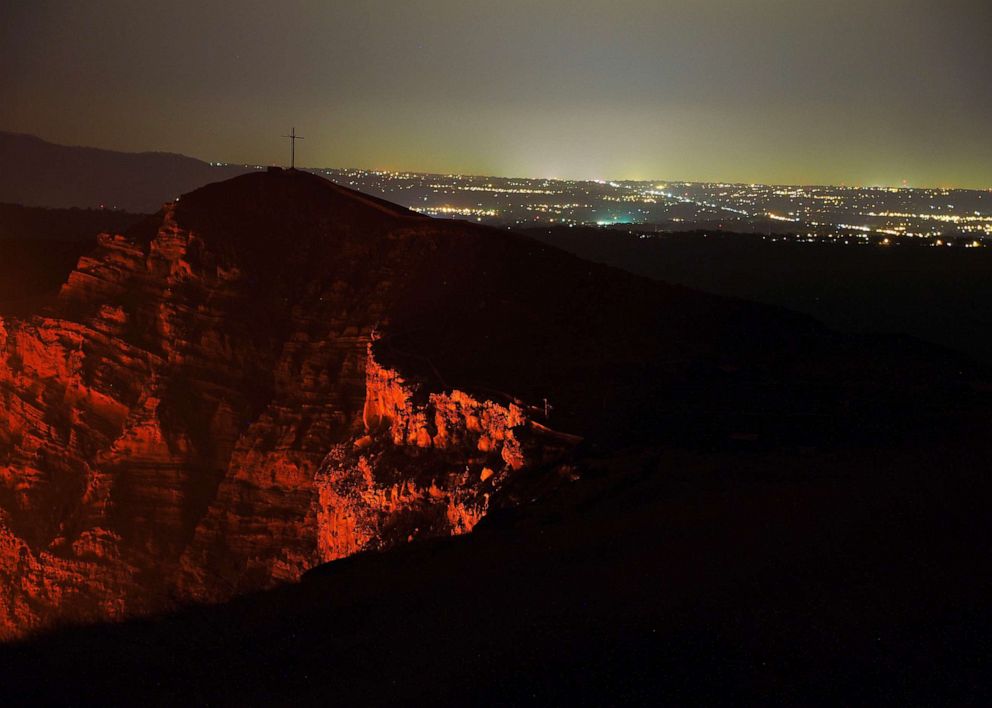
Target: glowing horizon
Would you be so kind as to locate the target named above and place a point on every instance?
(774, 92)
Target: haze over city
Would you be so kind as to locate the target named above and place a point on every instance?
(881, 93)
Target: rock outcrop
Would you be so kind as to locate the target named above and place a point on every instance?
(424, 469)
(202, 413)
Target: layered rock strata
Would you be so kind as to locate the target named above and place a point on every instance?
(202, 413)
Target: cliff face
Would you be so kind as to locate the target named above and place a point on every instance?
(424, 469)
(202, 413)
(275, 371)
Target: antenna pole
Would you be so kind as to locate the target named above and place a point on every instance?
(293, 137)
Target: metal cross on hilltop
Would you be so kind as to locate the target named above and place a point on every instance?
(293, 137)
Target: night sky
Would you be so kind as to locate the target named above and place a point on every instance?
(787, 91)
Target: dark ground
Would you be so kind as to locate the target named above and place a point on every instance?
(855, 577)
(940, 295)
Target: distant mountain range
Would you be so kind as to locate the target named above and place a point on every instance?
(34, 172)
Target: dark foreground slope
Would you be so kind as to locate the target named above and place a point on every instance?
(941, 295)
(672, 578)
(35, 172)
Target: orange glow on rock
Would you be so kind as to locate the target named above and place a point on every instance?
(172, 430)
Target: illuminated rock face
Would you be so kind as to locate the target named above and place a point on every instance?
(203, 412)
(422, 469)
(66, 402)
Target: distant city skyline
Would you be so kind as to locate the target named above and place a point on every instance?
(770, 92)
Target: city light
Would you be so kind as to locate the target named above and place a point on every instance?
(806, 214)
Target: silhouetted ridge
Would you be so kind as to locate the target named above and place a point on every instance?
(483, 309)
(39, 173)
(474, 307)
(259, 218)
